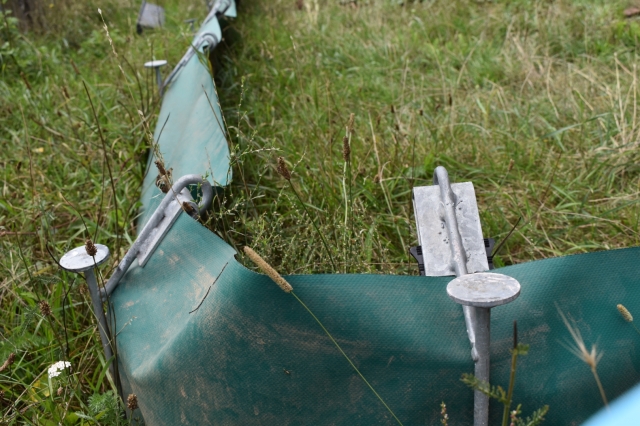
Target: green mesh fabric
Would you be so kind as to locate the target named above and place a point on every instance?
(190, 131)
(251, 355)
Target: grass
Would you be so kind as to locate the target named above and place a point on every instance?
(533, 101)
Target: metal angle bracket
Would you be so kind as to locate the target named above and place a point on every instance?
(159, 224)
(434, 206)
(170, 215)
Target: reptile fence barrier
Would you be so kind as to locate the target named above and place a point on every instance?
(202, 340)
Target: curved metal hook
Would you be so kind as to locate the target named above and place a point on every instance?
(158, 215)
(208, 39)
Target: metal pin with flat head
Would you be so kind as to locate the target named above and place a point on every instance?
(480, 292)
(156, 65)
(450, 236)
(78, 260)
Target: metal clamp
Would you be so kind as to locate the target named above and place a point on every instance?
(206, 39)
(221, 7)
(160, 223)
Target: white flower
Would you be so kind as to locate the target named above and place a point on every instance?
(57, 368)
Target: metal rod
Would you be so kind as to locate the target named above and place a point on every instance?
(159, 80)
(156, 65)
(482, 364)
(441, 178)
(98, 310)
(475, 320)
(483, 291)
(78, 260)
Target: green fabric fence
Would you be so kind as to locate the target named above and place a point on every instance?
(239, 351)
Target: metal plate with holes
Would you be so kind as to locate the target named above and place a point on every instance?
(432, 229)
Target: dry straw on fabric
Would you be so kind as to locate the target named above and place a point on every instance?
(625, 313)
(267, 269)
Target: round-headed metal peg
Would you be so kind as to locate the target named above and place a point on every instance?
(479, 293)
(77, 260)
(483, 289)
(156, 65)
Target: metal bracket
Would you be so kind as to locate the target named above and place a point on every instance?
(208, 39)
(416, 252)
(150, 16)
(159, 224)
(221, 7)
(440, 209)
(170, 215)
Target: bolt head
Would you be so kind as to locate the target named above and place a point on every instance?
(483, 290)
(77, 260)
(155, 64)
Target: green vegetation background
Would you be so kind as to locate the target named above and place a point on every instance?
(533, 101)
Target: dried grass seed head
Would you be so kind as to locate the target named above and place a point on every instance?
(346, 149)
(132, 401)
(8, 362)
(625, 313)
(187, 207)
(45, 309)
(91, 248)
(160, 165)
(282, 169)
(592, 357)
(267, 269)
(352, 118)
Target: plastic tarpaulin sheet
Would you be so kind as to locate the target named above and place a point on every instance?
(250, 354)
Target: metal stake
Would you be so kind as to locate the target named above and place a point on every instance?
(156, 65)
(77, 260)
(480, 292)
(459, 258)
(476, 292)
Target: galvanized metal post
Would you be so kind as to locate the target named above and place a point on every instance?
(476, 292)
(156, 65)
(481, 292)
(78, 260)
